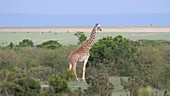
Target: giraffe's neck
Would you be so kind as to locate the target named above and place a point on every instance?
(90, 41)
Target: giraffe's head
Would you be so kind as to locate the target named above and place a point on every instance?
(98, 28)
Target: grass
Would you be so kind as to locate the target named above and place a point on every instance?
(69, 38)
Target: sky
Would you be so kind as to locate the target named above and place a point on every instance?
(25, 12)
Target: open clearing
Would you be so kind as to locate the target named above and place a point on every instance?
(65, 35)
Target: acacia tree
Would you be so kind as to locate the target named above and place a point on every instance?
(81, 37)
(26, 43)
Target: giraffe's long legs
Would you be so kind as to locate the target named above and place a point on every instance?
(84, 69)
(75, 74)
(74, 71)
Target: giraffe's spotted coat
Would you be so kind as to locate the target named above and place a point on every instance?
(82, 53)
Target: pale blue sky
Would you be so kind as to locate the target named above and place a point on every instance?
(84, 6)
(84, 12)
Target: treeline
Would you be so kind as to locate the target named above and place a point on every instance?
(145, 62)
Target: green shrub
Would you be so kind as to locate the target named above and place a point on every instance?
(99, 85)
(30, 86)
(19, 85)
(26, 43)
(51, 44)
(117, 53)
(59, 83)
(10, 89)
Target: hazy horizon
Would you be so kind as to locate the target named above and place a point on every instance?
(37, 20)
(84, 13)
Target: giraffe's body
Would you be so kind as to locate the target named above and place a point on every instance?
(82, 53)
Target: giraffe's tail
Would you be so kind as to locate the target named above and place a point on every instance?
(69, 69)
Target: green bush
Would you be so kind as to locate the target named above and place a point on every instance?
(151, 66)
(30, 85)
(51, 44)
(19, 85)
(26, 43)
(59, 83)
(39, 62)
(117, 53)
(10, 89)
(99, 85)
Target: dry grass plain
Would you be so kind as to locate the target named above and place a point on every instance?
(65, 35)
(87, 29)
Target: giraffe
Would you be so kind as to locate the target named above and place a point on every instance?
(82, 53)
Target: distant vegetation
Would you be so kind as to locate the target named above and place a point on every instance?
(67, 38)
(24, 67)
(81, 37)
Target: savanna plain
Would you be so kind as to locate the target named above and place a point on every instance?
(66, 36)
